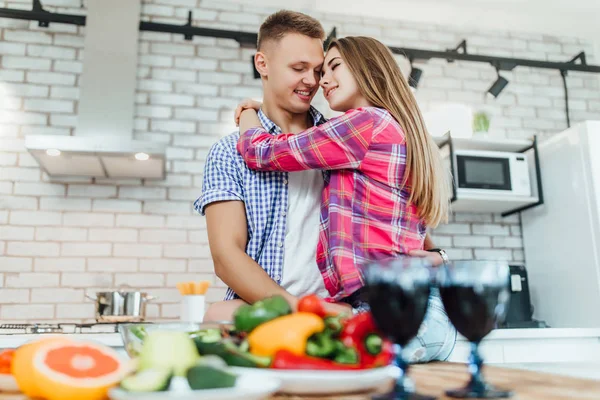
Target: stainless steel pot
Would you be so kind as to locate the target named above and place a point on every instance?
(121, 306)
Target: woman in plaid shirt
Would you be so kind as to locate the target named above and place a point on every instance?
(386, 183)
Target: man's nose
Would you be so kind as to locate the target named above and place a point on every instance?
(310, 79)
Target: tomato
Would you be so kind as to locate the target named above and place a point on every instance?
(6, 357)
(312, 304)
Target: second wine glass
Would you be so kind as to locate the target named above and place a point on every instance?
(475, 295)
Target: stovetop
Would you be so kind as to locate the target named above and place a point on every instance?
(59, 328)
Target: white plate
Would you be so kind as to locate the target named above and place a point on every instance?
(8, 383)
(246, 387)
(306, 382)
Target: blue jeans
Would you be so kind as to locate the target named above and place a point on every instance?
(436, 338)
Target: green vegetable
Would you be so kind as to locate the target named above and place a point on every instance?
(231, 354)
(334, 324)
(209, 377)
(373, 344)
(344, 354)
(149, 380)
(168, 350)
(244, 346)
(277, 303)
(248, 317)
(138, 331)
(320, 345)
(207, 335)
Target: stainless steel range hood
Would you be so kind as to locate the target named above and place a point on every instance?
(103, 145)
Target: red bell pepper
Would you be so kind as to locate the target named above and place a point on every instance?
(285, 359)
(355, 332)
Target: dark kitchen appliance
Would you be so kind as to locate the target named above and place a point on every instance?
(520, 309)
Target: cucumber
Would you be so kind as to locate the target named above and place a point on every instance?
(207, 335)
(149, 380)
(205, 376)
(232, 354)
(213, 348)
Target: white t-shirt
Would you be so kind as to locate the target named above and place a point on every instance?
(301, 275)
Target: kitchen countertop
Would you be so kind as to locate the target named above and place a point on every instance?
(585, 369)
(114, 339)
(434, 378)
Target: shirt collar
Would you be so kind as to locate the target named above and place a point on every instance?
(273, 129)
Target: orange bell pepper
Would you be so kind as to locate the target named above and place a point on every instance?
(290, 332)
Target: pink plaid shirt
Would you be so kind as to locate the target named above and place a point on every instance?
(365, 213)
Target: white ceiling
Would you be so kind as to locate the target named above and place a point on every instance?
(557, 17)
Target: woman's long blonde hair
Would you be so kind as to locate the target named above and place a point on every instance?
(383, 85)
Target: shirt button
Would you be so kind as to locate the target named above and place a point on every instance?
(277, 277)
(280, 244)
(285, 181)
(284, 213)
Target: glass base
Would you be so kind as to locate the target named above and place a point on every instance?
(402, 396)
(489, 392)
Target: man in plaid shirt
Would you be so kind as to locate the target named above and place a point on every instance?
(263, 227)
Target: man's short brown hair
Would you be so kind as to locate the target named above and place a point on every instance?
(283, 22)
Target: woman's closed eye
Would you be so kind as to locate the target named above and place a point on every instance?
(332, 68)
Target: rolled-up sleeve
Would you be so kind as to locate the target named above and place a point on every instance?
(222, 179)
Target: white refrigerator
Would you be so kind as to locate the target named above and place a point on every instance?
(562, 236)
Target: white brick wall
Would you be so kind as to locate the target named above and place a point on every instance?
(59, 238)
(66, 264)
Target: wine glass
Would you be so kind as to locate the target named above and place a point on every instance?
(397, 291)
(475, 295)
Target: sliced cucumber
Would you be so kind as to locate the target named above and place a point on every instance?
(149, 380)
(205, 376)
(207, 335)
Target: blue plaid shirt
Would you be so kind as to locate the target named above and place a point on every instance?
(265, 195)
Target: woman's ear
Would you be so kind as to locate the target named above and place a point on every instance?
(260, 63)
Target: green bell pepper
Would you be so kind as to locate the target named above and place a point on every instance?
(248, 317)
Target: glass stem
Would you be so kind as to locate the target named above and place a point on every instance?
(477, 384)
(403, 383)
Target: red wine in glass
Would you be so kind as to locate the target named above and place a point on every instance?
(475, 295)
(397, 291)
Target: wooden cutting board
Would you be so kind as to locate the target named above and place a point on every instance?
(435, 378)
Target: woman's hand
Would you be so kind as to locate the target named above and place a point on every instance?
(433, 257)
(247, 104)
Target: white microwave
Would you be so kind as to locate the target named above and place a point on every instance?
(491, 172)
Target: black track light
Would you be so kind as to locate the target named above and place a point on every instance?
(498, 86)
(415, 77)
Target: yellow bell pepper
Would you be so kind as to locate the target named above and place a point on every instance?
(290, 332)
